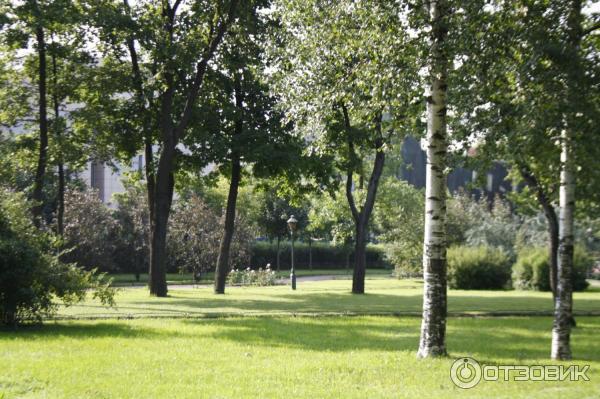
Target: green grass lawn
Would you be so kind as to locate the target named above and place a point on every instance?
(384, 296)
(173, 350)
(271, 357)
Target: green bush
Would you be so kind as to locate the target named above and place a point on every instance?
(531, 271)
(261, 277)
(31, 275)
(478, 268)
(324, 255)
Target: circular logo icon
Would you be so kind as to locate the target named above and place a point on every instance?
(465, 372)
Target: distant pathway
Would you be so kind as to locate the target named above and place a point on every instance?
(279, 281)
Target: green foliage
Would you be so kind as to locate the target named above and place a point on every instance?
(273, 213)
(90, 231)
(194, 238)
(324, 255)
(532, 269)
(478, 268)
(31, 275)
(260, 278)
(399, 224)
(132, 247)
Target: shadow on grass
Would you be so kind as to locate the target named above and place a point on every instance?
(486, 339)
(489, 340)
(373, 303)
(78, 331)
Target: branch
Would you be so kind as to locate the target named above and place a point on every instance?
(355, 214)
(201, 69)
(375, 174)
(351, 155)
(590, 29)
(135, 67)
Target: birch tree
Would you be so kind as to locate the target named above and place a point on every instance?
(433, 327)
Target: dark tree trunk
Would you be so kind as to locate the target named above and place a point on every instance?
(40, 172)
(60, 214)
(223, 259)
(348, 253)
(278, 253)
(551, 221)
(360, 260)
(310, 253)
(163, 196)
(361, 217)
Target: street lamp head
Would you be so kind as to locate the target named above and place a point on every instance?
(292, 222)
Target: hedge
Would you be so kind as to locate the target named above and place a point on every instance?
(324, 256)
(532, 269)
(478, 268)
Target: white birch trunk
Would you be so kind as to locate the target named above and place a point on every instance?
(563, 313)
(563, 304)
(433, 327)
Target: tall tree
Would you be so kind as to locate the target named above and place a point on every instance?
(343, 71)
(244, 134)
(48, 39)
(169, 47)
(433, 327)
(563, 314)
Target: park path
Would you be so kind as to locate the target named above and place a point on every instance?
(279, 281)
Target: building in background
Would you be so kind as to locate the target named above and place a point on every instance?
(108, 179)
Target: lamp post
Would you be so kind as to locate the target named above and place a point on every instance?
(292, 223)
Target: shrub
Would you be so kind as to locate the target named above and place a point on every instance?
(261, 277)
(531, 271)
(194, 238)
(324, 255)
(478, 268)
(31, 275)
(132, 252)
(399, 224)
(90, 231)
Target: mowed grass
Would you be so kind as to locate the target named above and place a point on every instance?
(385, 296)
(180, 347)
(280, 357)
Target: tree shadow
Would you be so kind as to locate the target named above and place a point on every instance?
(486, 339)
(370, 303)
(77, 330)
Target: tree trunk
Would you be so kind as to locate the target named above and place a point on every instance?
(278, 242)
(433, 327)
(563, 313)
(361, 217)
(551, 221)
(60, 214)
(163, 196)
(223, 259)
(40, 172)
(360, 260)
(561, 331)
(348, 253)
(310, 253)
